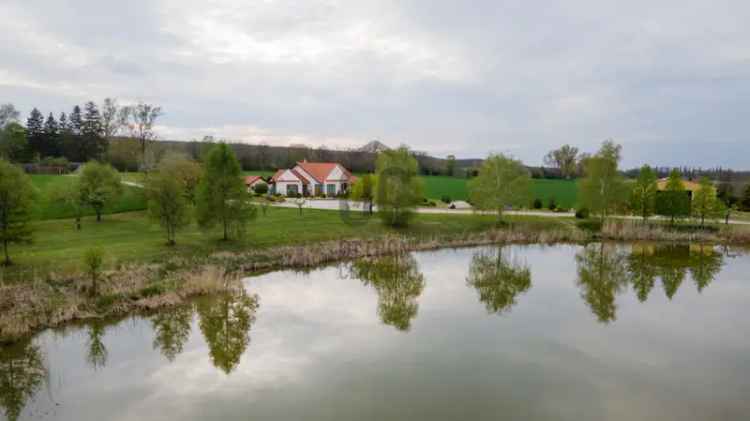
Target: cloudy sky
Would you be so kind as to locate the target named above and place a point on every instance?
(670, 80)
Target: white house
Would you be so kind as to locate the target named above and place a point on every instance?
(312, 179)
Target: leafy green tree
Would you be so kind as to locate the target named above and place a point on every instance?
(498, 280)
(364, 190)
(222, 197)
(140, 120)
(643, 194)
(97, 353)
(14, 145)
(674, 201)
(74, 198)
(100, 186)
(565, 159)
(399, 190)
(16, 200)
(705, 265)
(22, 374)
(225, 321)
(35, 133)
(167, 201)
(705, 203)
(642, 271)
(93, 261)
(398, 283)
(187, 171)
(502, 182)
(450, 165)
(603, 190)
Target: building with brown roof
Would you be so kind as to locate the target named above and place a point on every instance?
(312, 179)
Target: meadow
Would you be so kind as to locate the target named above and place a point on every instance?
(48, 204)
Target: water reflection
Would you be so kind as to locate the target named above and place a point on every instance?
(398, 283)
(172, 329)
(97, 352)
(606, 270)
(22, 373)
(225, 322)
(498, 279)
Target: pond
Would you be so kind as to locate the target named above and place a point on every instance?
(646, 332)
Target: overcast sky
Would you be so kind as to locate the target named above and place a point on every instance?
(670, 80)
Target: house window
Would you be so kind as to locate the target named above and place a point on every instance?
(330, 189)
(318, 189)
(291, 190)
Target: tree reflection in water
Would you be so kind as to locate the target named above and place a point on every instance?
(172, 329)
(225, 321)
(22, 373)
(604, 271)
(398, 283)
(97, 353)
(498, 279)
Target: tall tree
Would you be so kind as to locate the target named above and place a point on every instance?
(167, 201)
(643, 195)
(745, 200)
(94, 145)
(35, 132)
(172, 328)
(16, 200)
(14, 145)
(705, 203)
(140, 120)
(52, 135)
(76, 120)
(22, 375)
(502, 182)
(602, 273)
(8, 114)
(112, 118)
(399, 189)
(222, 196)
(71, 136)
(565, 159)
(450, 165)
(603, 190)
(674, 201)
(100, 186)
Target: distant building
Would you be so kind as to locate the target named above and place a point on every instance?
(312, 179)
(690, 186)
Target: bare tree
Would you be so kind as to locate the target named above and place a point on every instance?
(8, 114)
(140, 120)
(111, 118)
(564, 159)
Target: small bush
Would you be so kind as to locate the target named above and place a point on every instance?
(582, 213)
(260, 188)
(537, 204)
(552, 205)
(592, 225)
(445, 199)
(430, 204)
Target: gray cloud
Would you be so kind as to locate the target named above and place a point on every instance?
(669, 80)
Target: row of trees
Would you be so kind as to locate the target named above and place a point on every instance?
(80, 136)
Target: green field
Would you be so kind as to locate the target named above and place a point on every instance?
(47, 207)
(563, 191)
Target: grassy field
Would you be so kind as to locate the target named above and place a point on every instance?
(563, 191)
(133, 237)
(47, 207)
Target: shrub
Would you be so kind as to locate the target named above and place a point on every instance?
(445, 199)
(537, 203)
(93, 260)
(552, 205)
(582, 213)
(260, 188)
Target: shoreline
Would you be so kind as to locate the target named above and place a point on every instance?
(27, 308)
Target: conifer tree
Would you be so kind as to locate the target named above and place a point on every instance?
(35, 131)
(93, 143)
(51, 137)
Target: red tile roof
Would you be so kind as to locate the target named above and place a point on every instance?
(250, 179)
(303, 179)
(320, 170)
(277, 175)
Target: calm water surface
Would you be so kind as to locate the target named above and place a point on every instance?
(525, 332)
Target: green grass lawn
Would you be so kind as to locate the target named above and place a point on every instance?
(57, 246)
(46, 207)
